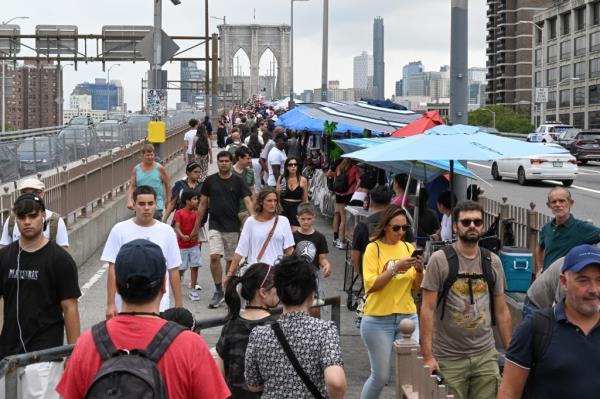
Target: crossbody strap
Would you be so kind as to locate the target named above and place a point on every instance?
(268, 240)
(294, 360)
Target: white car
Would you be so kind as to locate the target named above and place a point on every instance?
(547, 132)
(561, 167)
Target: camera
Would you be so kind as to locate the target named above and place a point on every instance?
(439, 377)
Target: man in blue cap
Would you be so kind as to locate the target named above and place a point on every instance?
(187, 367)
(556, 352)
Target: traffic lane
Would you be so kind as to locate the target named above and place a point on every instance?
(585, 191)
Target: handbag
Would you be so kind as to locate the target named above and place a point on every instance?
(243, 267)
(294, 360)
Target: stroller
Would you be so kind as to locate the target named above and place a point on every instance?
(491, 238)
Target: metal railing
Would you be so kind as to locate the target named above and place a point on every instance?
(10, 365)
(413, 377)
(81, 187)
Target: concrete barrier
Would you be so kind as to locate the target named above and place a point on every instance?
(88, 234)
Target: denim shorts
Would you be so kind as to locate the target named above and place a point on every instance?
(190, 257)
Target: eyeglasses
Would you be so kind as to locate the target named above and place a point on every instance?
(397, 227)
(292, 164)
(467, 222)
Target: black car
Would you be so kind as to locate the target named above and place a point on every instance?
(586, 146)
(78, 142)
(36, 154)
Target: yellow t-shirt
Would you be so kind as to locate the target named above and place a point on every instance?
(396, 296)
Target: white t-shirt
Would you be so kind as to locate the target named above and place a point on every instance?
(254, 235)
(189, 138)
(446, 227)
(62, 238)
(159, 233)
(276, 157)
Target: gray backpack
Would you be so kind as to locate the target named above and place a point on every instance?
(131, 373)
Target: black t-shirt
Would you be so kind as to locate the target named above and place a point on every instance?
(311, 246)
(224, 204)
(46, 277)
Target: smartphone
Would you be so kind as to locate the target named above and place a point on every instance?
(417, 252)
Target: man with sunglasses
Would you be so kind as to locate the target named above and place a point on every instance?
(456, 331)
(564, 231)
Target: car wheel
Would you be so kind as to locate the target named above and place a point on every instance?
(521, 176)
(544, 141)
(567, 183)
(495, 173)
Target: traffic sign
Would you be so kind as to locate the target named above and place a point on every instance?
(541, 95)
(168, 47)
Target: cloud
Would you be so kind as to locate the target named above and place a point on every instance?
(414, 30)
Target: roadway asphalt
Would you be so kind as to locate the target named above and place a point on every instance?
(92, 279)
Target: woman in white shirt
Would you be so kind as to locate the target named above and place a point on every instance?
(267, 226)
(445, 207)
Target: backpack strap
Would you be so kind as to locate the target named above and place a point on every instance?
(452, 259)
(104, 345)
(490, 279)
(294, 360)
(54, 218)
(543, 324)
(163, 338)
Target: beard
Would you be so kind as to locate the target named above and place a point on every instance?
(469, 236)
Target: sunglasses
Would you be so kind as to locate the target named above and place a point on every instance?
(467, 222)
(292, 164)
(397, 227)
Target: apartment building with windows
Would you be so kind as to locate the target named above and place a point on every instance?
(567, 62)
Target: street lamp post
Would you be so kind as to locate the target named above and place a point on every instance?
(291, 103)
(558, 94)
(493, 116)
(4, 80)
(543, 104)
(224, 87)
(108, 88)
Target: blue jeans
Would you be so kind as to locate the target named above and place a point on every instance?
(378, 334)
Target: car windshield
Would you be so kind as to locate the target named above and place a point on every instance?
(589, 136)
(41, 144)
(560, 129)
(74, 134)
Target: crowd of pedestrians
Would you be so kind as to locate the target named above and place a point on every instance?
(255, 220)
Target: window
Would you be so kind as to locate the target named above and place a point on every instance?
(594, 42)
(538, 33)
(551, 100)
(565, 50)
(538, 79)
(580, 18)
(565, 98)
(595, 68)
(538, 57)
(552, 54)
(594, 120)
(565, 20)
(579, 70)
(578, 120)
(578, 96)
(552, 28)
(594, 94)
(595, 7)
(564, 118)
(551, 77)
(579, 45)
(565, 72)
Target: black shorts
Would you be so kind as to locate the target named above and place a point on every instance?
(290, 211)
(343, 199)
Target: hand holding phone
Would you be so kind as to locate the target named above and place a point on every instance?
(417, 252)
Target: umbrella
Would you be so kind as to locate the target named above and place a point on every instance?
(428, 120)
(297, 119)
(425, 170)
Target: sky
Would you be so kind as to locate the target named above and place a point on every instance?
(414, 30)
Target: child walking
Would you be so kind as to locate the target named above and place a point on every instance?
(189, 246)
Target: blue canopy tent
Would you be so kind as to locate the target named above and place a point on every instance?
(425, 170)
(297, 119)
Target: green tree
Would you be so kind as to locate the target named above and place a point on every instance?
(507, 120)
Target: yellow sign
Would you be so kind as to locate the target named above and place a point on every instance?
(157, 132)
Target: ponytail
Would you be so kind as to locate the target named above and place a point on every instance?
(232, 298)
(255, 277)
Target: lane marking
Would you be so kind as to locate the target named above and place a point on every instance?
(590, 170)
(591, 190)
(94, 279)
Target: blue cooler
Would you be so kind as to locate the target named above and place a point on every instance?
(518, 268)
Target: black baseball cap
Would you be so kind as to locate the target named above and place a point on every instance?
(140, 264)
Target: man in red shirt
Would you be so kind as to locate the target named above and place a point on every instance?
(187, 367)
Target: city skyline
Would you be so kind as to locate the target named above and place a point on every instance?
(420, 35)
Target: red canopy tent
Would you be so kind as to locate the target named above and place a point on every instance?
(427, 121)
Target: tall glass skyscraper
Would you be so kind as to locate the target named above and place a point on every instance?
(378, 63)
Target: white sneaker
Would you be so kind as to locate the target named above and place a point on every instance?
(340, 244)
(194, 296)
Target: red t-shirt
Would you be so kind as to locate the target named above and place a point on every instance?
(188, 369)
(186, 220)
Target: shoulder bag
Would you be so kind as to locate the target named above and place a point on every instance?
(294, 360)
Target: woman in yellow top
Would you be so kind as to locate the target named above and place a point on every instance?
(389, 274)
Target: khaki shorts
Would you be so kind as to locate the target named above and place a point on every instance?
(223, 244)
(473, 377)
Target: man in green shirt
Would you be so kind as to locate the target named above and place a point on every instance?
(243, 168)
(564, 232)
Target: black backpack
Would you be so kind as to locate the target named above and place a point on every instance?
(202, 146)
(341, 184)
(131, 373)
(453, 275)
